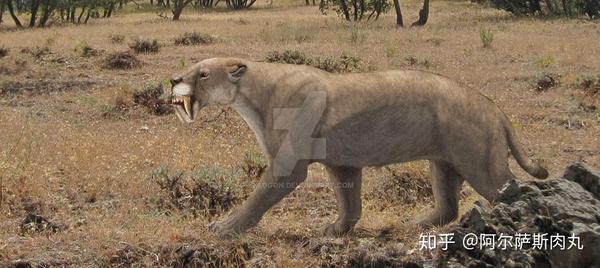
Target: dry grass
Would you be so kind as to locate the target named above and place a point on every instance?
(86, 173)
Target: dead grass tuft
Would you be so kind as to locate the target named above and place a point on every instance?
(145, 46)
(37, 52)
(208, 190)
(122, 60)
(194, 38)
(33, 223)
(545, 81)
(254, 165)
(152, 97)
(87, 51)
(117, 39)
(181, 255)
(402, 187)
(590, 85)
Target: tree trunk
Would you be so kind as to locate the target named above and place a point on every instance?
(35, 4)
(178, 6)
(399, 21)
(345, 9)
(11, 10)
(2, 5)
(48, 10)
(81, 14)
(87, 17)
(423, 14)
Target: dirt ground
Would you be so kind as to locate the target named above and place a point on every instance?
(76, 150)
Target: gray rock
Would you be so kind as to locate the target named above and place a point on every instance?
(587, 177)
(565, 207)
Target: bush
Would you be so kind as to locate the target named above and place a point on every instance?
(87, 51)
(487, 36)
(545, 81)
(145, 46)
(209, 190)
(255, 165)
(121, 60)
(589, 84)
(568, 8)
(343, 64)
(401, 187)
(194, 38)
(153, 99)
(289, 57)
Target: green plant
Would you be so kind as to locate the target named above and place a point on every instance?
(567, 8)
(145, 46)
(545, 62)
(193, 38)
(289, 56)
(487, 37)
(390, 51)
(254, 165)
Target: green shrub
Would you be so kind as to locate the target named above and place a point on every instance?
(344, 64)
(487, 37)
(289, 57)
(568, 8)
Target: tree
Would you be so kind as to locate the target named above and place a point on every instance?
(423, 14)
(11, 10)
(178, 6)
(356, 10)
(399, 21)
(2, 6)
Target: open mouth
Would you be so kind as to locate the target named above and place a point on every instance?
(185, 107)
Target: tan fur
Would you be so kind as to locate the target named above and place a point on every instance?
(370, 119)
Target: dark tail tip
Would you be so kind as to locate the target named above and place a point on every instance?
(541, 173)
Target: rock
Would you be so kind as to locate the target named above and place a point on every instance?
(587, 177)
(565, 208)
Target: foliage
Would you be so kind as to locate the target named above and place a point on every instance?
(344, 64)
(145, 46)
(42, 13)
(153, 98)
(193, 38)
(208, 190)
(356, 10)
(254, 165)
(568, 8)
(487, 37)
(121, 60)
(545, 81)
